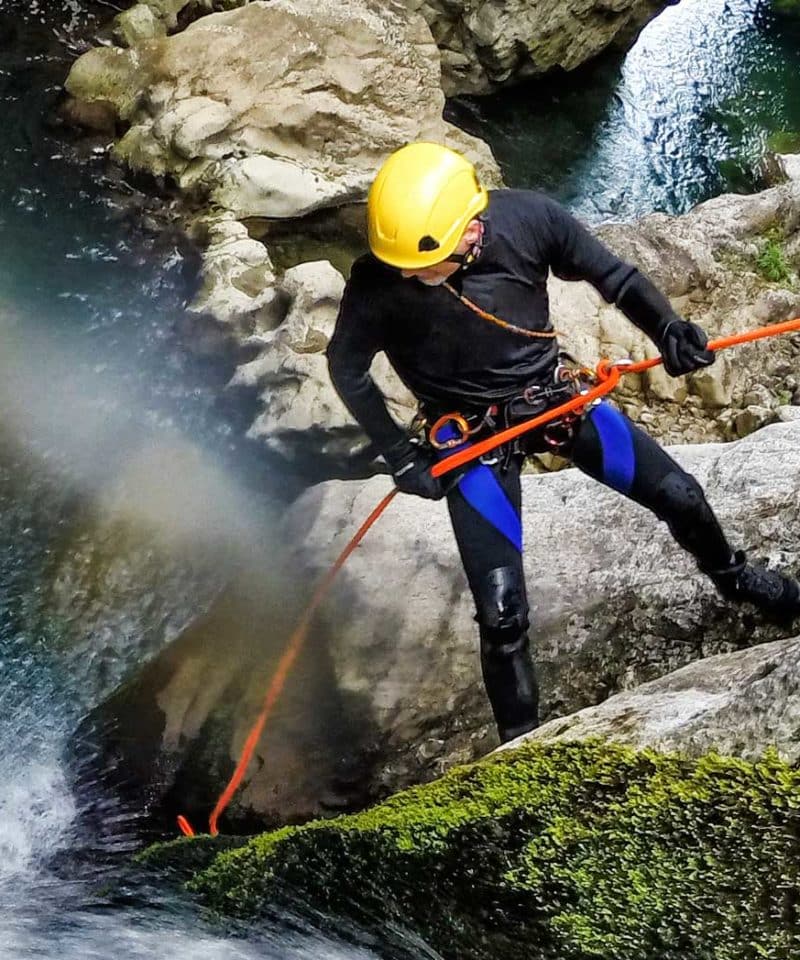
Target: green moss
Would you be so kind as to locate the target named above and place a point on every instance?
(784, 141)
(568, 851)
(184, 857)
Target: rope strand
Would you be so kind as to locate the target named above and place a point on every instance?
(281, 674)
(485, 315)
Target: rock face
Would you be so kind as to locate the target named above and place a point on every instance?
(615, 601)
(487, 44)
(790, 165)
(483, 45)
(239, 295)
(300, 408)
(390, 684)
(707, 262)
(277, 108)
(736, 703)
(174, 729)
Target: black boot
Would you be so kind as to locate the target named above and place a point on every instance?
(775, 594)
(510, 680)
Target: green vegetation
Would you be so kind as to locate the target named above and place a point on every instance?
(553, 852)
(786, 8)
(771, 262)
(785, 141)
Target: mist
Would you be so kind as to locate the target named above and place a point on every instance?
(107, 441)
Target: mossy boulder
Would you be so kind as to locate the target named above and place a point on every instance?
(182, 858)
(568, 851)
(109, 75)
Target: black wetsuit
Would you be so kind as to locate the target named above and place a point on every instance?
(453, 359)
(443, 351)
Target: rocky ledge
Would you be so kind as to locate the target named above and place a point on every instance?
(483, 45)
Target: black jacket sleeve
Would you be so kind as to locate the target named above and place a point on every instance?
(350, 353)
(575, 254)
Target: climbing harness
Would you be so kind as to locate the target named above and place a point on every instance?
(607, 375)
(569, 379)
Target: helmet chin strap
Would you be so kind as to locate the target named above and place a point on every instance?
(465, 259)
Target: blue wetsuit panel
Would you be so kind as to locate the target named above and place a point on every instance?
(481, 489)
(619, 461)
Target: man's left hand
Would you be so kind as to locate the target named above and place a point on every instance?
(411, 465)
(684, 348)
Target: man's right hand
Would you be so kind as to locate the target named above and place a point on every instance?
(411, 465)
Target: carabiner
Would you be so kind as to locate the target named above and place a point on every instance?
(461, 425)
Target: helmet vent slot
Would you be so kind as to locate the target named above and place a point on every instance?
(427, 243)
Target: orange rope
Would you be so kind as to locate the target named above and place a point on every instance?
(282, 672)
(608, 373)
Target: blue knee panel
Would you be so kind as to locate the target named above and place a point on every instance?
(616, 442)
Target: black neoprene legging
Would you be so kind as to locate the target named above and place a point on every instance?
(610, 448)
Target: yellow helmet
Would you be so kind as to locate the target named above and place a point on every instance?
(420, 204)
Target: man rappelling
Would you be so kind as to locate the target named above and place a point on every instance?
(454, 292)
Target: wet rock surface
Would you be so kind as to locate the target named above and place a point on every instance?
(488, 45)
(394, 694)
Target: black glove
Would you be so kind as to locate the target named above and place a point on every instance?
(684, 347)
(411, 465)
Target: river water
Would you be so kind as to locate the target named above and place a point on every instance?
(93, 359)
(686, 115)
